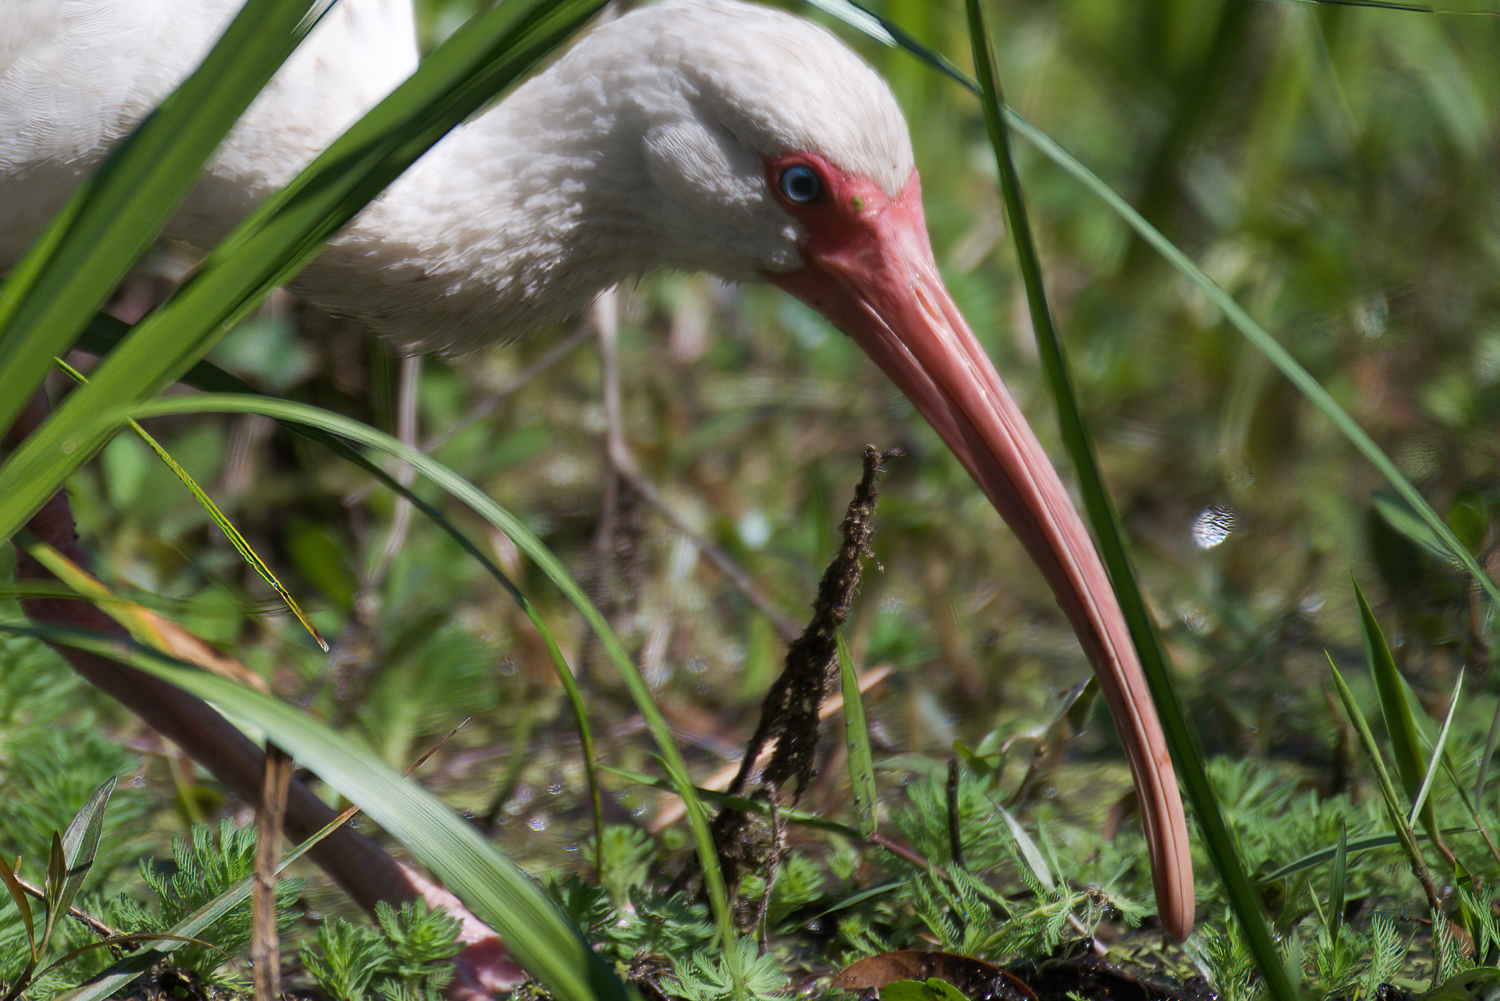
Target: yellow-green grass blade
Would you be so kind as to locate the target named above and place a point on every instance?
(478, 501)
(114, 217)
(285, 233)
(240, 543)
(499, 893)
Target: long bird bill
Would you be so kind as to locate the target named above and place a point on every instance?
(870, 271)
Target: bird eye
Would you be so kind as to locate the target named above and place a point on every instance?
(801, 184)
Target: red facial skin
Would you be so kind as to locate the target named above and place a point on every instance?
(869, 270)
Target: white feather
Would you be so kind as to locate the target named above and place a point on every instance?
(642, 147)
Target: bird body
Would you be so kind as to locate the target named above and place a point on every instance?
(604, 167)
(703, 135)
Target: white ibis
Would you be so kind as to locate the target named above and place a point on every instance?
(703, 135)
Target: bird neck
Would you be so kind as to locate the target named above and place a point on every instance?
(511, 223)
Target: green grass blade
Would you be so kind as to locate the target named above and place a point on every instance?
(1401, 723)
(857, 740)
(1397, 816)
(534, 549)
(287, 232)
(1181, 739)
(534, 929)
(1030, 853)
(1362, 844)
(1439, 752)
(1338, 885)
(113, 218)
(240, 543)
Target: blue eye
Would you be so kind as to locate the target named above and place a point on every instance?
(801, 184)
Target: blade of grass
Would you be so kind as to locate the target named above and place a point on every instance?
(536, 932)
(1404, 832)
(1338, 881)
(857, 740)
(1439, 751)
(1401, 723)
(534, 549)
(1181, 739)
(241, 545)
(113, 218)
(1361, 844)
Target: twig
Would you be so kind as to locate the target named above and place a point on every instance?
(265, 943)
(409, 381)
(92, 923)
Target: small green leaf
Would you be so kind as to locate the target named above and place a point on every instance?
(1438, 750)
(73, 856)
(857, 739)
(1382, 776)
(931, 989)
(1469, 524)
(1400, 717)
(22, 904)
(1029, 851)
(52, 887)
(1338, 884)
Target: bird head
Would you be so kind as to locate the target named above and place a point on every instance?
(753, 144)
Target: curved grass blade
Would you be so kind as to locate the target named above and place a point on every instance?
(534, 549)
(1439, 752)
(231, 533)
(539, 935)
(1357, 845)
(106, 332)
(113, 218)
(286, 232)
(1181, 739)
(107, 982)
(1338, 885)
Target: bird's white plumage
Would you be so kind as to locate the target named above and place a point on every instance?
(605, 166)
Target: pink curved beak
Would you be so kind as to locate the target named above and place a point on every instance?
(870, 271)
